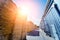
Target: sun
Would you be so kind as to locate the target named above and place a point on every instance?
(24, 10)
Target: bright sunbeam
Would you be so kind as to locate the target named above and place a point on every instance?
(24, 10)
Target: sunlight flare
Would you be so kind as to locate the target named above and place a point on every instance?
(24, 10)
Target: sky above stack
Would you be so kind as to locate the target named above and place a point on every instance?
(36, 8)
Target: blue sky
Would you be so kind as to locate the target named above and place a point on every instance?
(37, 9)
